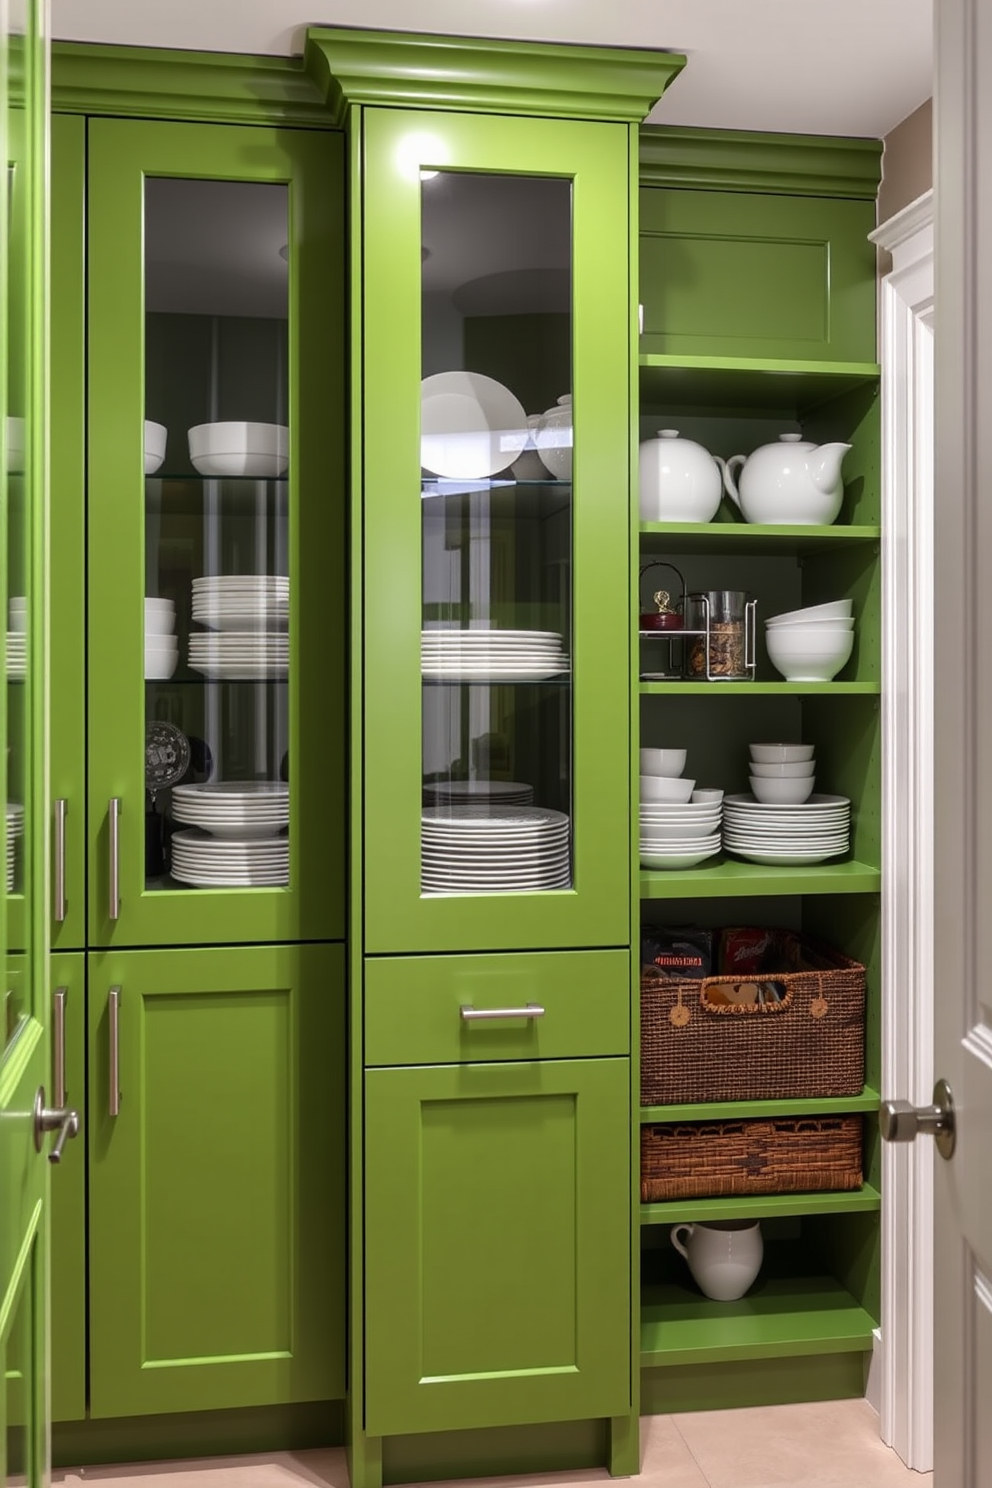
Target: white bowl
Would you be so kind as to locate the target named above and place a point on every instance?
(781, 792)
(15, 444)
(809, 656)
(155, 439)
(677, 831)
(837, 609)
(158, 627)
(662, 761)
(786, 771)
(838, 622)
(160, 665)
(18, 622)
(235, 449)
(706, 797)
(665, 788)
(773, 754)
(670, 859)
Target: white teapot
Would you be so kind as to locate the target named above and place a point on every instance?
(792, 482)
(680, 481)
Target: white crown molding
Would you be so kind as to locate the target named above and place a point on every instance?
(906, 355)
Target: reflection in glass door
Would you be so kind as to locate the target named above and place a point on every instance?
(496, 502)
(217, 579)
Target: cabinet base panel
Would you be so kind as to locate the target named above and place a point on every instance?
(276, 1428)
(487, 1452)
(728, 1386)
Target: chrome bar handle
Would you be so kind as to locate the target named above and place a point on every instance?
(61, 1120)
(114, 1015)
(58, 865)
(472, 1014)
(751, 637)
(58, 1045)
(114, 816)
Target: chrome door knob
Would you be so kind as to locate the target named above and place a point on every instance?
(898, 1121)
(61, 1119)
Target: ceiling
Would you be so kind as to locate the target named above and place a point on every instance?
(854, 67)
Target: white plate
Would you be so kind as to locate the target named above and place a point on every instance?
(787, 860)
(776, 844)
(505, 880)
(679, 844)
(471, 425)
(202, 881)
(241, 621)
(221, 672)
(748, 803)
(441, 628)
(234, 790)
(675, 860)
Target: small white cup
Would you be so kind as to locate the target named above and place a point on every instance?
(724, 1256)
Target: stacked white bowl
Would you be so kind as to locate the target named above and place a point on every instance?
(156, 437)
(17, 639)
(811, 645)
(15, 827)
(236, 448)
(679, 826)
(783, 823)
(782, 774)
(161, 643)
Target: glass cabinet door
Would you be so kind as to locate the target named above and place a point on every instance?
(496, 459)
(216, 498)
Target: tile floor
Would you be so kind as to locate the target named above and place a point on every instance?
(832, 1444)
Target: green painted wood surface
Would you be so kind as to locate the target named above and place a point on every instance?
(746, 160)
(595, 157)
(67, 532)
(763, 1206)
(781, 385)
(732, 878)
(752, 275)
(413, 1003)
(227, 1433)
(217, 1194)
(868, 1100)
(68, 1205)
(497, 1222)
(762, 689)
(732, 1384)
(122, 152)
(742, 539)
(401, 69)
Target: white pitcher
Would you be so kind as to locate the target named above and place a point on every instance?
(724, 1256)
(792, 481)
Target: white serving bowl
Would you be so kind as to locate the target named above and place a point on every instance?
(238, 449)
(155, 440)
(838, 622)
(677, 831)
(160, 664)
(15, 444)
(662, 761)
(17, 614)
(809, 655)
(781, 792)
(837, 609)
(783, 771)
(158, 627)
(676, 859)
(772, 754)
(706, 797)
(665, 788)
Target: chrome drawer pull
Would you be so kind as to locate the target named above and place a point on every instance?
(58, 1045)
(113, 1014)
(58, 861)
(114, 813)
(472, 1014)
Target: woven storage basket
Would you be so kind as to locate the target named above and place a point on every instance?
(811, 1043)
(707, 1159)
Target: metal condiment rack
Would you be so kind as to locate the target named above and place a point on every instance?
(673, 675)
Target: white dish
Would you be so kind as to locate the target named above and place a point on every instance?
(705, 796)
(160, 668)
(741, 802)
(224, 584)
(219, 671)
(675, 831)
(663, 761)
(783, 771)
(15, 444)
(471, 425)
(810, 627)
(770, 754)
(812, 656)
(156, 436)
(784, 792)
(839, 609)
(708, 843)
(665, 788)
(786, 860)
(675, 860)
(235, 448)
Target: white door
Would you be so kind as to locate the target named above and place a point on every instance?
(963, 740)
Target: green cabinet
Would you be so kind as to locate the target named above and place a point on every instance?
(216, 1147)
(215, 534)
(497, 1264)
(67, 983)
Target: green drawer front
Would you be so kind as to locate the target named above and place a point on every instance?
(734, 274)
(413, 1007)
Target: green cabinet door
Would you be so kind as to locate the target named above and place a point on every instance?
(216, 1257)
(496, 615)
(67, 982)
(497, 1251)
(216, 304)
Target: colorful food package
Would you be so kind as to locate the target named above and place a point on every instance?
(682, 953)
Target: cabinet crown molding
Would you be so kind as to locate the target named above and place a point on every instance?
(404, 69)
(742, 160)
(196, 87)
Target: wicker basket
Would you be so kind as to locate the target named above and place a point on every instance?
(811, 1043)
(707, 1159)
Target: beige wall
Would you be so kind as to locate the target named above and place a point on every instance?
(907, 164)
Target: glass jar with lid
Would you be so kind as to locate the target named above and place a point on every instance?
(720, 626)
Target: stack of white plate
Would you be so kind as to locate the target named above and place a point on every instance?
(787, 835)
(17, 654)
(492, 655)
(239, 654)
(679, 834)
(242, 602)
(229, 862)
(496, 849)
(15, 826)
(236, 809)
(161, 643)
(478, 793)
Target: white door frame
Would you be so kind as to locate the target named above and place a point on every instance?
(904, 1348)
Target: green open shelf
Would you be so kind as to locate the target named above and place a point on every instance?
(787, 1313)
(763, 1206)
(868, 1100)
(741, 538)
(729, 878)
(748, 383)
(762, 689)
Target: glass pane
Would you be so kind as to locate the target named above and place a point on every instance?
(217, 576)
(496, 502)
(18, 1398)
(17, 475)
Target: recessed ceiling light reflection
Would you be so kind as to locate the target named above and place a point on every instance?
(428, 175)
(414, 148)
